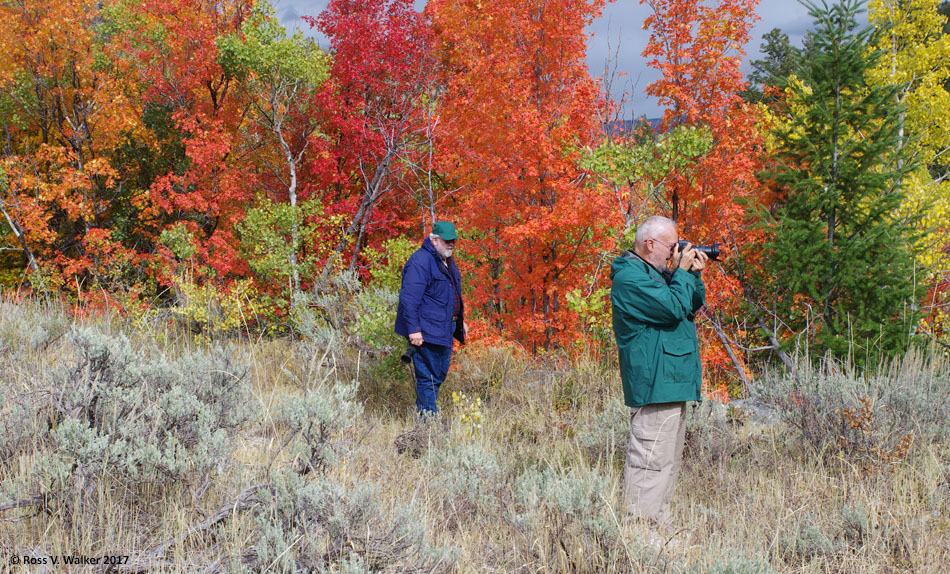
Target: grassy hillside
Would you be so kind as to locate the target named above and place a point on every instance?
(279, 455)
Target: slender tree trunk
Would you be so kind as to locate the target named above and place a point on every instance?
(34, 267)
(371, 195)
(294, 228)
(728, 347)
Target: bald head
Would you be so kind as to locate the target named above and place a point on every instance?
(653, 228)
(655, 240)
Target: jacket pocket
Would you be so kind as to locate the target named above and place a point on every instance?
(434, 314)
(679, 361)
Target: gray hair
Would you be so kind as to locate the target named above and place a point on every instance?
(652, 227)
(433, 236)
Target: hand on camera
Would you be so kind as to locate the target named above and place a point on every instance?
(684, 258)
(700, 262)
(416, 338)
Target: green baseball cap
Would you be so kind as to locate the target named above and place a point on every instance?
(445, 230)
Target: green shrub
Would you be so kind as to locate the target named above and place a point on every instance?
(29, 326)
(565, 497)
(307, 522)
(805, 542)
(737, 563)
(571, 513)
(355, 324)
(342, 310)
(267, 236)
(16, 423)
(855, 526)
(316, 420)
(376, 317)
(607, 432)
(710, 436)
(375, 322)
(385, 265)
(467, 474)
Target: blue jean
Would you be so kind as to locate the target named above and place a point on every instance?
(431, 365)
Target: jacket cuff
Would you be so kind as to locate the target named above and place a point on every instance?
(679, 270)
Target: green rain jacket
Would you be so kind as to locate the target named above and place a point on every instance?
(655, 331)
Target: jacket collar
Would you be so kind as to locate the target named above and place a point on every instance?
(666, 274)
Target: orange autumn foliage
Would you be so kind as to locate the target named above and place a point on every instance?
(71, 111)
(474, 112)
(519, 105)
(174, 47)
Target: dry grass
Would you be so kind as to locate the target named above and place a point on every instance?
(536, 489)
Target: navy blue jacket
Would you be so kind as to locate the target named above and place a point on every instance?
(427, 297)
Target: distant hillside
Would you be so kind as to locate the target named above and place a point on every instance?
(627, 126)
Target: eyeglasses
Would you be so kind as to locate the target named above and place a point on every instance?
(670, 246)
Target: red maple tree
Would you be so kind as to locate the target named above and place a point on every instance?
(378, 120)
(174, 50)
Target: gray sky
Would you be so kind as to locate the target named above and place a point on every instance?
(618, 31)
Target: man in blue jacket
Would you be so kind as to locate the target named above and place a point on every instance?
(431, 312)
(654, 309)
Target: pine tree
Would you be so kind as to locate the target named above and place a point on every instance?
(841, 249)
(772, 69)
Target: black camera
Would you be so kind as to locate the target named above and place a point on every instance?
(711, 251)
(406, 357)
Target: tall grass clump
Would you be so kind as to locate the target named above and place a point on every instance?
(30, 326)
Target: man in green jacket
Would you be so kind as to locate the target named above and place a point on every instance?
(654, 309)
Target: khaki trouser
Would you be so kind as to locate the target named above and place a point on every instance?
(657, 435)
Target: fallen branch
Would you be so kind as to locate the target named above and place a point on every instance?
(35, 501)
(154, 558)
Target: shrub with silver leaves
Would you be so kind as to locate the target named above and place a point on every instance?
(865, 417)
(320, 526)
(316, 418)
(138, 418)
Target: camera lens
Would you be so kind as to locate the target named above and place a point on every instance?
(711, 251)
(406, 357)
